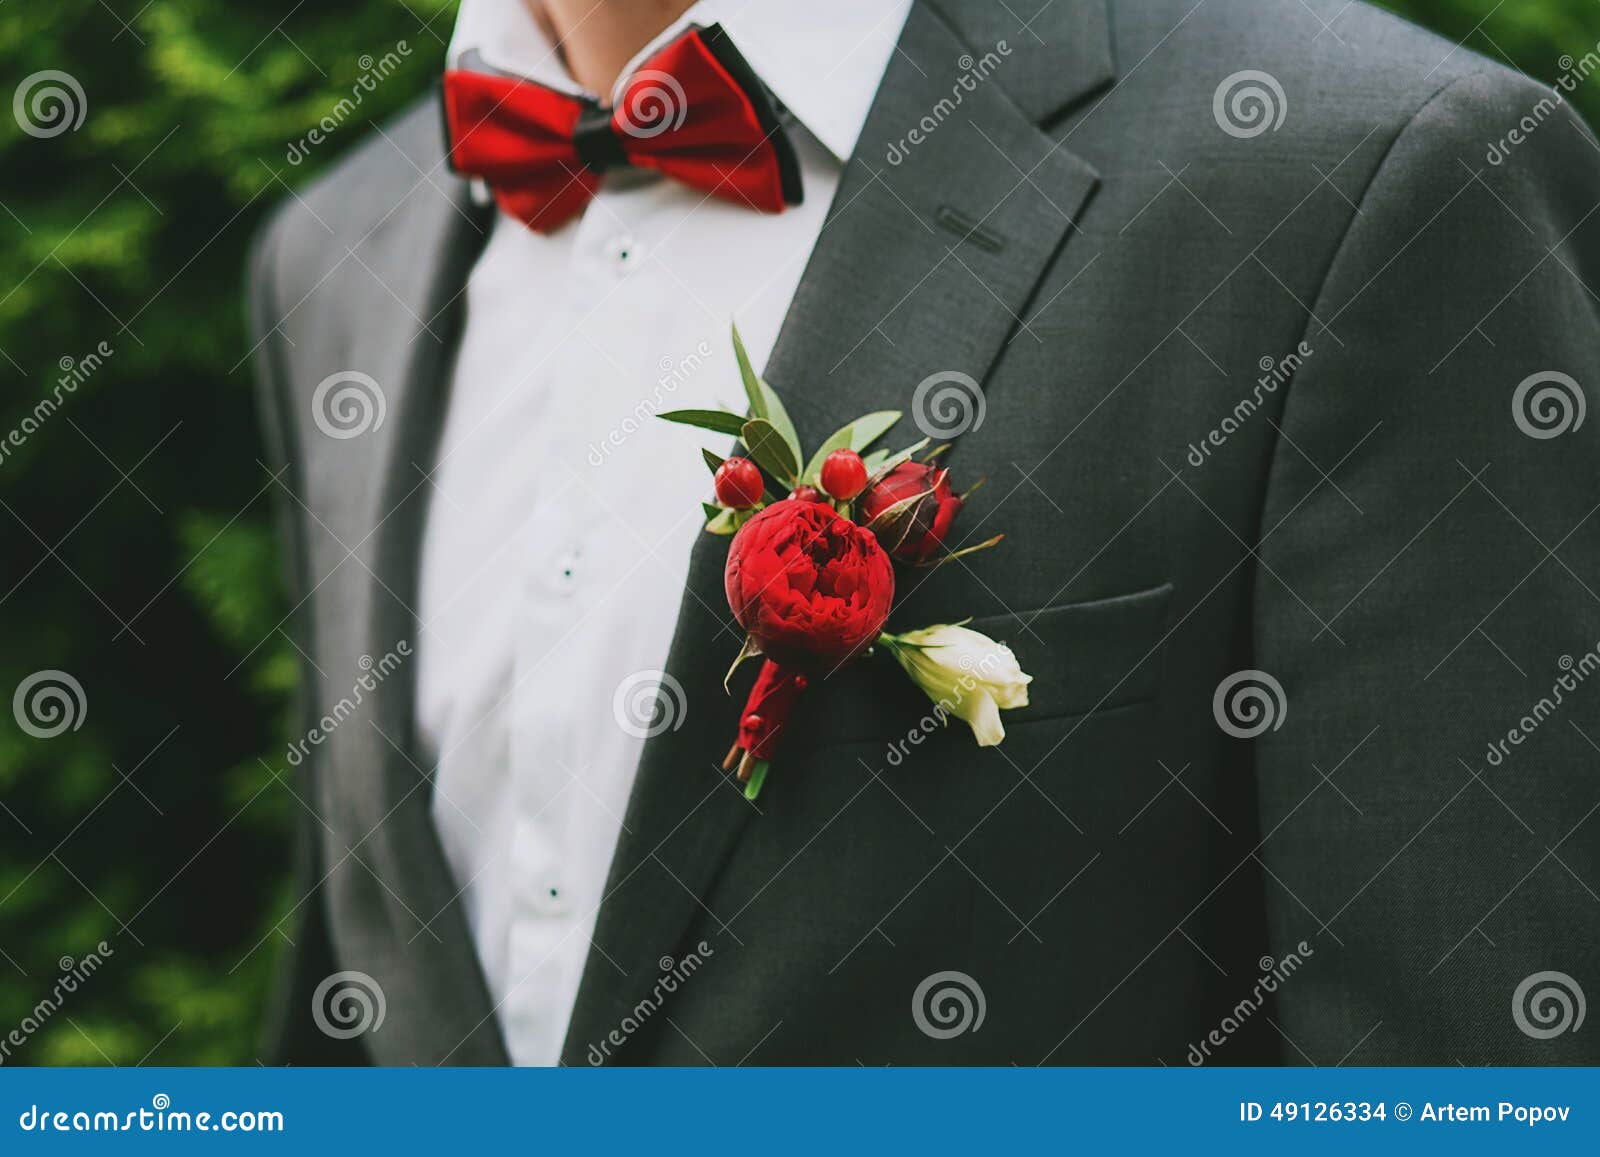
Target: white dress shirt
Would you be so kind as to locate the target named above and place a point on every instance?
(563, 511)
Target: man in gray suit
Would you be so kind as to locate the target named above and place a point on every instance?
(1275, 327)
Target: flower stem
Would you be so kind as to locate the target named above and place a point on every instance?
(758, 776)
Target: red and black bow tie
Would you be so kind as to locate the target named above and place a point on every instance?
(694, 111)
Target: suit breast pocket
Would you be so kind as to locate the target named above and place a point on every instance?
(1085, 657)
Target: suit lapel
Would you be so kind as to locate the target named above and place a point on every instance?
(934, 242)
(422, 252)
(930, 253)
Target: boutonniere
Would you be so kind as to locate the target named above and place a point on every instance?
(810, 574)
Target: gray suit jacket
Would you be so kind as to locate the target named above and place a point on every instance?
(1252, 405)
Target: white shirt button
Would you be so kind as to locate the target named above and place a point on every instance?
(622, 252)
(556, 576)
(566, 572)
(550, 898)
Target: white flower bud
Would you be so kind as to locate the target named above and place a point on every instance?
(965, 673)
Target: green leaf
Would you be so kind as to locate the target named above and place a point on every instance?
(764, 400)
(719, 420)
(725, 520)
(779, 417)
(869, 428)
(747, 373)
(771, 452)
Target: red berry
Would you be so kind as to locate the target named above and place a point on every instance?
(844, 474)
(806, 494)
(738, 483)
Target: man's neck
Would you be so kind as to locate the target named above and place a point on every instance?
(597, 38)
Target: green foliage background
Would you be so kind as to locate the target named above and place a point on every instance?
(139, 554)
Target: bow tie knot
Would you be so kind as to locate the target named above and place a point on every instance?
(596, 141)
(695, 112)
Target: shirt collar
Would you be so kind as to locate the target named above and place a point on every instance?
(824, 59)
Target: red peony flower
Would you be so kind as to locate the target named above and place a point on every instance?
(811, 587)
(911, 510)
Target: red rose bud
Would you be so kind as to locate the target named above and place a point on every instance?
(806, 494)
(738, 483)
(811, 587)
(843, 474)
(911, 509)
(767, 710)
